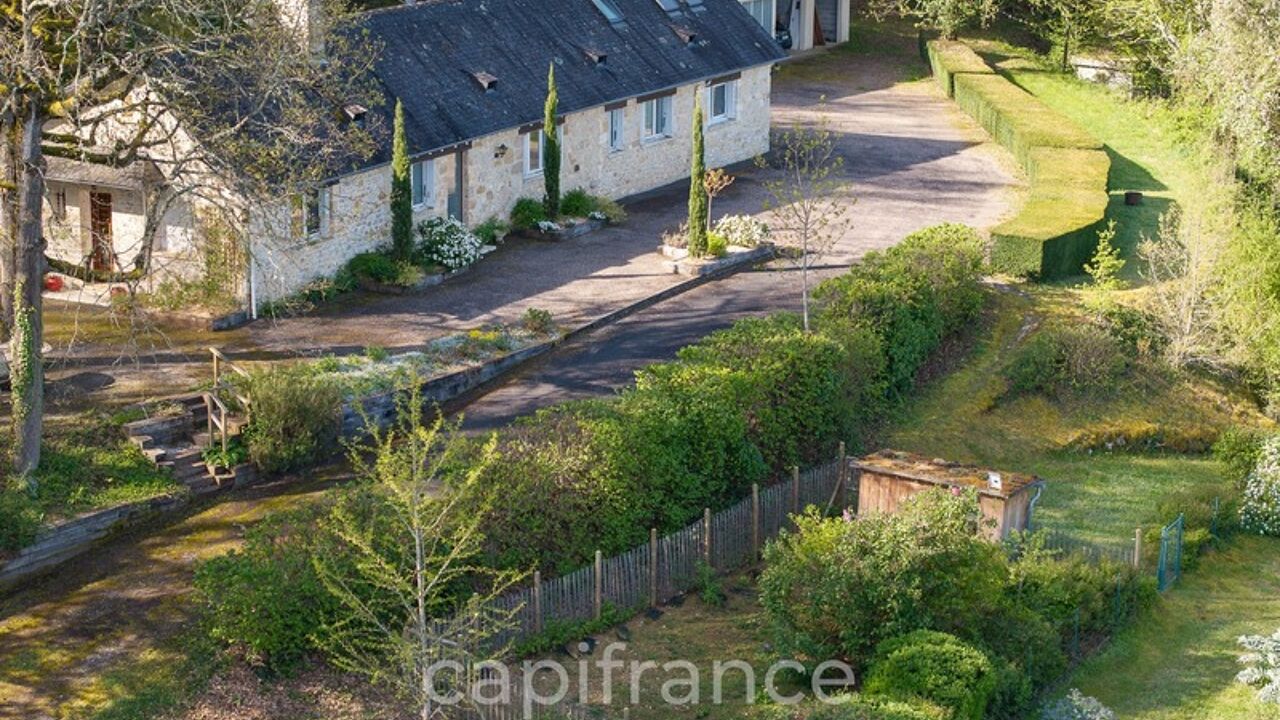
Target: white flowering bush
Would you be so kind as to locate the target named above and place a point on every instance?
(1262, 666)
(1077, 706)
(1260, 507)
(742, 230)
(448, 243)
(598, 216)
(547, 226)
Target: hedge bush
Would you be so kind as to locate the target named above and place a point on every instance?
(949, 58)
(934, 667)
(296, 417)
(1055, 233)
(849, 707)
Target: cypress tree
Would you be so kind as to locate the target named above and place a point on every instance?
(698, 186)
(551, 148)
(401, 191)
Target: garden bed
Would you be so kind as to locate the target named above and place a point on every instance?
(681, 264)
(429, 280)
(564, 229)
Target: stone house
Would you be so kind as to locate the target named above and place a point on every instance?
(471, 75)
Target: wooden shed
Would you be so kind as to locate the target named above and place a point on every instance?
(889, 477)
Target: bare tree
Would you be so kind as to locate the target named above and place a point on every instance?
(405, 565)
(1181, 267)
(805, 200)
(217, 94)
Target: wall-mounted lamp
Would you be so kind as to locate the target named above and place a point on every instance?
(501, 152)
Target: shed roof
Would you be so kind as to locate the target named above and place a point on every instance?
(135, 176)
(919, 468)
(433, 53)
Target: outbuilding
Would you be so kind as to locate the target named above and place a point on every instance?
(890, 476)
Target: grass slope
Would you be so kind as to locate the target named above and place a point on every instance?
(1180, 662)
(1104, 496)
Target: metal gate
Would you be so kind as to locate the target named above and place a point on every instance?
(1170, 553)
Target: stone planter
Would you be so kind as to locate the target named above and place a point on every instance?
(681, 264)
(431, 280)
(569, 229)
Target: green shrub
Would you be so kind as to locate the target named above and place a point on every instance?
(613, 213)
(1137, 331)
(1239, 450)
(708, 587)
(492, 231)
(295, 420)
(577, 203)
(717, 245)
(20, 518)
(949, 259)
(538, 321)
(949, 58)
(375, 266)
(1062, 361)
(848, 707)
(1260, 506)
(527, 213)
(836, 589)
(265, 599)
(1026, 649)
(936, 668)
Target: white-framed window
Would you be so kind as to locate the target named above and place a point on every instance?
(533, 147)
(657, 118)
(617, 129)
(722, 101)
(762, 11)
(422, 180)
(315, 212)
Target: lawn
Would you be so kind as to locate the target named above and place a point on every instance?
(1149, 153)
(1179, 662)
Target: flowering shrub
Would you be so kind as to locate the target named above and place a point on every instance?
(742, 230)
(547, 226)
(1077, 706)
(447, 242)
(1260, 509)
(1262, 666)
(598, 216)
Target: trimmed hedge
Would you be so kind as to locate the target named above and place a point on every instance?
(934, 667)
(949, 58)
(1056, 231)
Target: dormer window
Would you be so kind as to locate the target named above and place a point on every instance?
(486, 81)
(609, 10)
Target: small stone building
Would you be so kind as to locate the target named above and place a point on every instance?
(889, 477)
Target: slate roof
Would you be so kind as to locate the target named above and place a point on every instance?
(432, 52)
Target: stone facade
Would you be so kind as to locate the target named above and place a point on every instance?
(494, 178)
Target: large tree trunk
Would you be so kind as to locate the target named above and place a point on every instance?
(28, 331)
(9, 151)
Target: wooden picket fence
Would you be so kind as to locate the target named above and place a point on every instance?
(667, 566)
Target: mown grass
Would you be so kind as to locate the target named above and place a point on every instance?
(1150, 152)
(1179, 662)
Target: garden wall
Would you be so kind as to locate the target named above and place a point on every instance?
(1055, 232)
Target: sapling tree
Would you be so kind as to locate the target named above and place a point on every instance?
(405, 562)
(716, 182)
(810, 210)
(401, 190)
(105, 81)
(1105, 267)
(551, 148)
(698, 202)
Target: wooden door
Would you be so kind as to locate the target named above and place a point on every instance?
(102, 255)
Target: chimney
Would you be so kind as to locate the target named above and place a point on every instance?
(305, 21)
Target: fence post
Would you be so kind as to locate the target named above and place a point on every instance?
(599, 584)
(755, 522)
(537, 601)
(841, 491)
(706, 537)
(1137, 549)
(653, 567)
(795, 489)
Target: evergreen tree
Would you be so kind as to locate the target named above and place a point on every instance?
(551, 148)
(698, 186)
(401, 191)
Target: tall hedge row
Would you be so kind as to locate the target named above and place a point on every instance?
(739, 406)
(1055, 233)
